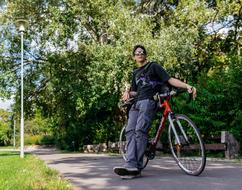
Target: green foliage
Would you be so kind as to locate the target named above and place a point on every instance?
(78, 55)
(218, 105)
(47, 140)
(37, 125)
(38, 140)
(32, 139)
(5, 129)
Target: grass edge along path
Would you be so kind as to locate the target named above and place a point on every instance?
(29, 173)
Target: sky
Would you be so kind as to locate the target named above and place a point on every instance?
(6, 104)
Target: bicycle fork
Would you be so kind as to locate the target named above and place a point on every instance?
(171, 116)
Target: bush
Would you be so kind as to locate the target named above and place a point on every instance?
(32, 139)
(47, 140)
(39, 140)
(4, 134)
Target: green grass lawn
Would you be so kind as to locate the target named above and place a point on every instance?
(29, 173)
(7, 147)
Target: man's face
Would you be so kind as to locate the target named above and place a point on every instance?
(139, 55)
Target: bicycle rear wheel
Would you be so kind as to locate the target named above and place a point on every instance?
(123, 147)
(190, 153)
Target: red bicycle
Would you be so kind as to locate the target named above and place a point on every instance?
(185, 141)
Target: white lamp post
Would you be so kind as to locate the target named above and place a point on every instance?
(21, 24)
(14, 129)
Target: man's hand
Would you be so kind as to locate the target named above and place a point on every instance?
(128, 94)
(193, 90)
(125, 96)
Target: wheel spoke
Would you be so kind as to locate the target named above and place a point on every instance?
(190, 153)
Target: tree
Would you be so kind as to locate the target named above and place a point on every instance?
(5, 128)
(78, 57)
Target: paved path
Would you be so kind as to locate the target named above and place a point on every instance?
(94, 172)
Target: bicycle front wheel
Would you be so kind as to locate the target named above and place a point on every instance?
(123, 144)
(186, 145)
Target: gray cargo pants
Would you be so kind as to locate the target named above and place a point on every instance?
(141, 115)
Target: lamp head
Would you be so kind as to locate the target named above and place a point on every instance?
(21, 24)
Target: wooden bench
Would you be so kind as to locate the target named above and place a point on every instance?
(228, 144)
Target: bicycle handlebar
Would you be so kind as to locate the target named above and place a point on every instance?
(172, 93)
(156, 97)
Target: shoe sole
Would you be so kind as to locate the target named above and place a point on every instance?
(130, 176)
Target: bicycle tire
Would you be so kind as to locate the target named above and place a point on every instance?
(123, 147)
(189, 155)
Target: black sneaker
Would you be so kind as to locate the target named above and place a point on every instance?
(127, 173)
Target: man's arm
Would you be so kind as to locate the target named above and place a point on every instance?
(128, 94)
(179, 84)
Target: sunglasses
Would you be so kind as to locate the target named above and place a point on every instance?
(139, 53)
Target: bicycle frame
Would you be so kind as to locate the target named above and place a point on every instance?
(186, 148)
(185, 141)
(167, 113)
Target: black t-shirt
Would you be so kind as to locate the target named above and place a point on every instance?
(148, 80)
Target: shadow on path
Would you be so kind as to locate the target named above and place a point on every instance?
(95, 172)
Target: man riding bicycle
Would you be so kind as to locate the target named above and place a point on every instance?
(148, 79)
